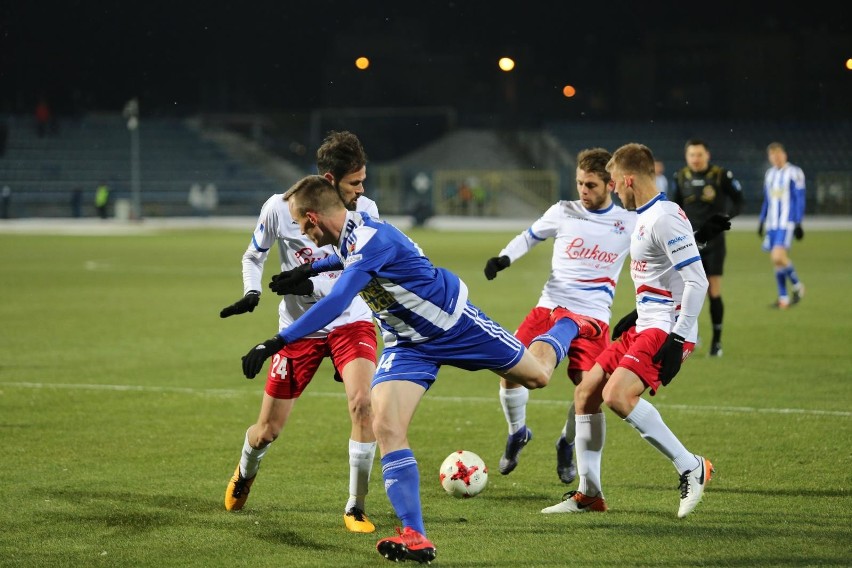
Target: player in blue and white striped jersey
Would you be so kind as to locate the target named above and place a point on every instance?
(427, 321)
(781, 217)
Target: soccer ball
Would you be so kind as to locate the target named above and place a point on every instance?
(464, 474)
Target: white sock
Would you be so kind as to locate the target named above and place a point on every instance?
(361, 456)
(589, 440)
(250, 459)
(647, 420)
(514, 403)
(569, 430)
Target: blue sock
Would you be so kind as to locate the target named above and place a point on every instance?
(791, 274)
(560, 337)
(781, 279)
(402, 484)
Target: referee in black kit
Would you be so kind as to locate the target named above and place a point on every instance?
(702, 190)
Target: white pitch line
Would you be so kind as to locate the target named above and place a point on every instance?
(464, 399)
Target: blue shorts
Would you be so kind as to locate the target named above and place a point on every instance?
(777, 238)
(474, 343)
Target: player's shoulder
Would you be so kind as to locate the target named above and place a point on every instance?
(275, 208)
(367, 205)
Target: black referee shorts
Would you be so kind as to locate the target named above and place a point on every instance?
(713, 257)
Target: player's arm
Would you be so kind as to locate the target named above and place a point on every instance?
(297, 280)
(683, 254)
(318, 316)
(536, 234)
(253, 260)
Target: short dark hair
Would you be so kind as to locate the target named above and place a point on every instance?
(593, 161)
(695, 142)
(339, 154)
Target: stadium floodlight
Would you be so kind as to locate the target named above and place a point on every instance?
(131, 113)
(506, 64)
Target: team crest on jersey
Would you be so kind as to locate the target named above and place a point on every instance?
(618, 227)
(681, 213)
(640, 233)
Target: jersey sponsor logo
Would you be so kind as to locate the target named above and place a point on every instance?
(638, 265)
(350, 260)
(305, 254)
(676, 240)
(577, 250)
(686, 246)
(376, 296)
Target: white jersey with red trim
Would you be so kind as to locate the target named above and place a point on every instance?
(589, 250)
(666, 270)
(276, 225)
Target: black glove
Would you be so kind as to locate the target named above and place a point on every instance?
(717, 224)
(798, 232)
(288, 286)
(253, 360)
(760, 230)
(245, 304)
(670, 356)
(624, 324)
(286, 282)
(495, 264)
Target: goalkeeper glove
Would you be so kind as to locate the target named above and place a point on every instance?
(624, 324)
(253, 360)
(760, 230)
(798, 232)
(245, 304)
(670, 356)
(293, 281)
(496, 264)
(717, 224)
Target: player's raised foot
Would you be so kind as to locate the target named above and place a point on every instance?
(238, 491)
(514, 444)
(356, 521)
(565, 468)
(576, 502)
(798, 293)
(589, 327)
(716, 349)
(780, 304)
(407, 545)
(692, 485)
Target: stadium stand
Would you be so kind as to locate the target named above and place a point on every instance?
(85, 151)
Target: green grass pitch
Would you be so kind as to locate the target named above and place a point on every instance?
(123, 411)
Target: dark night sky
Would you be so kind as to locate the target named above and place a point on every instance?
(625, 58)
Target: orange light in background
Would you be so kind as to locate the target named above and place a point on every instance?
(362, 63)
(849, 63)
(569, 91)
(506, 64)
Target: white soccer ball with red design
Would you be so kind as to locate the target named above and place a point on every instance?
(464, 474)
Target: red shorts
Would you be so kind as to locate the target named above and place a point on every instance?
(292, 369)
(582, 352)
(634, 352)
